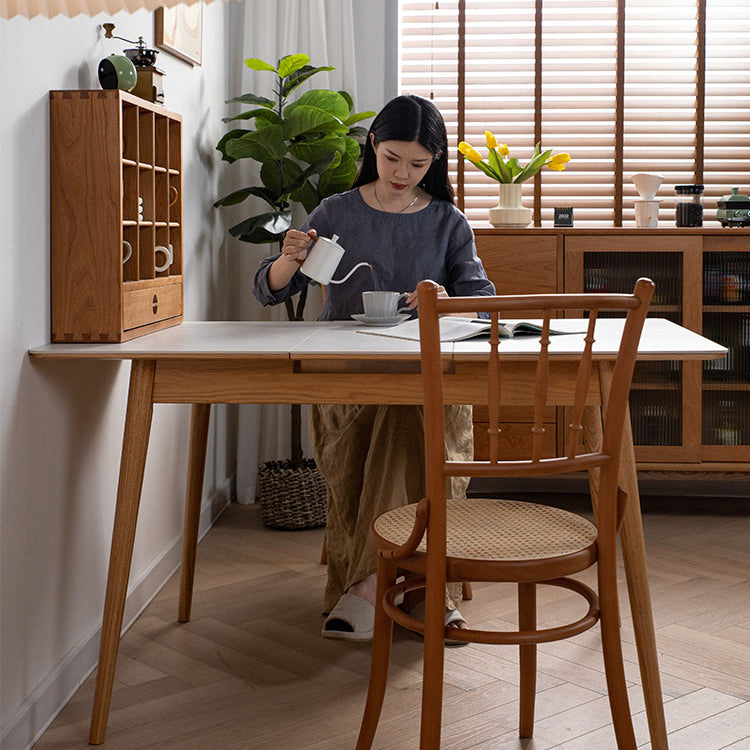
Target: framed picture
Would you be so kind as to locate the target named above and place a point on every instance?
(179, 31)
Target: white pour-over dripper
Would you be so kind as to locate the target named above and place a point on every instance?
(323, 259)
(647, 184)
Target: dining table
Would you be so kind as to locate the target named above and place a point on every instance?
(344, 362)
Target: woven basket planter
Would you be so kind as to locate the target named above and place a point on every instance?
(291, 497)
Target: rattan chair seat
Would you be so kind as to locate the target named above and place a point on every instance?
(496, 529)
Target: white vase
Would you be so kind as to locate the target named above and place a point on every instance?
(510, 212)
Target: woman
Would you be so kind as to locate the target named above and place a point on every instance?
(400, 218)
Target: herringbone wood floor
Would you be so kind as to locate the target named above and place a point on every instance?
(251, 670)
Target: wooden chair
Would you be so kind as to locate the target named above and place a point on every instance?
(503, 540)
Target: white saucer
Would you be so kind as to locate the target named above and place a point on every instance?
(383, 322)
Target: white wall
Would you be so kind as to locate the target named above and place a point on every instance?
(61, 422)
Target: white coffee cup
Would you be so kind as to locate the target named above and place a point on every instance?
(323, 259)
(646, 213)
(382, 305)
(168, 257)
(127, 251)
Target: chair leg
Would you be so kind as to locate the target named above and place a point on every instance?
(527, 659)
(467, 592)
(380, 658)
(324, 552)
(612, 650)
(433, 664)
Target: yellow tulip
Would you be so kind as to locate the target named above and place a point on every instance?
(470, 153)
(503, 149)
(558, 161)
(490, 139)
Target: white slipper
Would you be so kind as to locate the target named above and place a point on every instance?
(451, 616)
(352, 619)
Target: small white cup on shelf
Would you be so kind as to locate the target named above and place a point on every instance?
(167, 254)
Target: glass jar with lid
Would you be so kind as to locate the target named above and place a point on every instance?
(689, 205)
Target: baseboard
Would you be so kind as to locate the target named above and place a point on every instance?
(25, 725)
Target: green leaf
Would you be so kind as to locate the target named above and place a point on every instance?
(267, 227)
(303, 119)
(358, 133)
(240, 195)
(266, 114)
(359, 116)
(353, 149)
(253, 99)
(514, 166)
(307, 195)
(300, 76)
(255, 63)
(534, 165)
(280, 176)
(312, 149)
(498, 165)
(291, 63)
(337, 179)
(330, 101)
(348, 97)
(260, 145)
(330, 160)
(232, 135)
(487, 170)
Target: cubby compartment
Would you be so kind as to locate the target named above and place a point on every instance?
(115, 196)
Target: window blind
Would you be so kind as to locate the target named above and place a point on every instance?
(623, 86)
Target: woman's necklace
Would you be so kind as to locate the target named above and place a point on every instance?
(413, 201)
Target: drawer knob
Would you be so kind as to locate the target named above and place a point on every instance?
(155, 304)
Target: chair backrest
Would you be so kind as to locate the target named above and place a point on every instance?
(431, 307)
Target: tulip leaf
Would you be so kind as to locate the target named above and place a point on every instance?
(498, 165)
(533, 166)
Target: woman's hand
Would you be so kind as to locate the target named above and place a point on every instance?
(293, 252)
(296, 244)
(411, 297)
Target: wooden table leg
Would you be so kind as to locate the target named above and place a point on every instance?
(634, 558)
(132, 465)
(199, 419)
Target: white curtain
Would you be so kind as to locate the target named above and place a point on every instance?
(270, 29)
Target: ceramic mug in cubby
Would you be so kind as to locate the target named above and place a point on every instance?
(165, 255)
(127, 251)
(174, 194)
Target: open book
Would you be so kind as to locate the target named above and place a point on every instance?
(458, 329)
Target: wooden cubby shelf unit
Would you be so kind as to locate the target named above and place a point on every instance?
(115, 197)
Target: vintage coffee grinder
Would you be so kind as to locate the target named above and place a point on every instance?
(149, 83)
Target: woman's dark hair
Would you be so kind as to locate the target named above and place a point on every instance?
(411, 118)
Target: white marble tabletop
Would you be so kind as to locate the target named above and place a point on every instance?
(661, 339)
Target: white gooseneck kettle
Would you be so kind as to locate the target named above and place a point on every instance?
(323, 259)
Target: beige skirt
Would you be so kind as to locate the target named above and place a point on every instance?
(372, 458)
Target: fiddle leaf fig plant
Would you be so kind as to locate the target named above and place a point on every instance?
(308, 148)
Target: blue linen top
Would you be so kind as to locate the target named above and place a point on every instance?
(403, 249)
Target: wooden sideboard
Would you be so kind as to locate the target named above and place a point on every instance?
(692, 416)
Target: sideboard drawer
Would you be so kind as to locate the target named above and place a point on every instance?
(143, 306)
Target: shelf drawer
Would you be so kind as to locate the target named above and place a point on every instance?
(143, 306)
